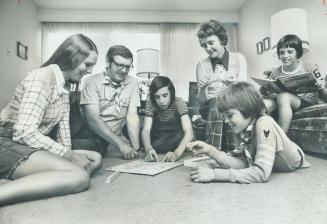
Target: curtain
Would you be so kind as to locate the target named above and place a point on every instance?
(104, 35)
(181, 51)
(177, 43)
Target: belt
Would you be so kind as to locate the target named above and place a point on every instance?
(6, 129)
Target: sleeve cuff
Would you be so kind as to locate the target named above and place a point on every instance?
(222, 175)
(58, 149)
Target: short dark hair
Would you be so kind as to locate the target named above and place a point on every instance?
(292, 41)
(159, 82)
(243, 97)
(120, 50)
(72, 52)
(213, 27)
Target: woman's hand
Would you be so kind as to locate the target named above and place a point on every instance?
(68, 155)
(83, 161)
(151, 156)
(170, 157)
(202, 174)
(199, 147)
(203, 81)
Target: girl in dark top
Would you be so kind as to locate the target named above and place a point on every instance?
(167, 126)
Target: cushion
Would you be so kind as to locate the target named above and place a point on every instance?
(319, 110)
(310, 134)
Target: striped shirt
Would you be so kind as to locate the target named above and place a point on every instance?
(216, 78)
(39, 103)
(177, 108)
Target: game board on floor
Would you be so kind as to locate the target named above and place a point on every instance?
(144, 168)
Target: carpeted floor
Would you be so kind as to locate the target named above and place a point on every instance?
(170, 197)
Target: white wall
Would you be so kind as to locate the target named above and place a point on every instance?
(255, 25)
(18, 22)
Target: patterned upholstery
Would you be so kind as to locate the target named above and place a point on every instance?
(309, 129)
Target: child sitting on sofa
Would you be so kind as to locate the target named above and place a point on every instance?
(289, 50)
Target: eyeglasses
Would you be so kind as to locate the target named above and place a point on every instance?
(121, 66)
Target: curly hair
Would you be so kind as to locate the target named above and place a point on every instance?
(213, 27)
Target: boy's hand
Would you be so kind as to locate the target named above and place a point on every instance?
(320, 83)
(202, 174)
(151, 156)
(199, 147)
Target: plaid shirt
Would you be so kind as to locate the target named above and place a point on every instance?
(39, 103)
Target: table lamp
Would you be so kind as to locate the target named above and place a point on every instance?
(289, 21)
(147, 67)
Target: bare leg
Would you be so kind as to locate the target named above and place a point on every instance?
(43, 175)
(270, 104)
(287, 103)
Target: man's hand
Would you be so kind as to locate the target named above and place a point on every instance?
(151, 156)
(127, 151)
(198, 147)
(83, 161)
(202, 174)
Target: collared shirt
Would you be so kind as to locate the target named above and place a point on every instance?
(222, 61)
(97, 90)
(39, 103)
(219, 78)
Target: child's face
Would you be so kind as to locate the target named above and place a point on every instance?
(288, 56)
(236, 120)
(162, 97)
(212, 46)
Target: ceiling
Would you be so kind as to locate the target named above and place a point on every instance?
(143, 5)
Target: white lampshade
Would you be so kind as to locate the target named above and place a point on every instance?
(147, 63)
(289, 21)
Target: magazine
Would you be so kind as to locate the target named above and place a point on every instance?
(296, 84)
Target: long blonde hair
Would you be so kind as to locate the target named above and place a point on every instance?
(72, 52)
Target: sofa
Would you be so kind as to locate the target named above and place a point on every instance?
(309, 129)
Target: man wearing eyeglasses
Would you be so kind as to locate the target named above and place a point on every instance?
(110, 100)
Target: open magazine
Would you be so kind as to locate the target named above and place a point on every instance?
(296, 84)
